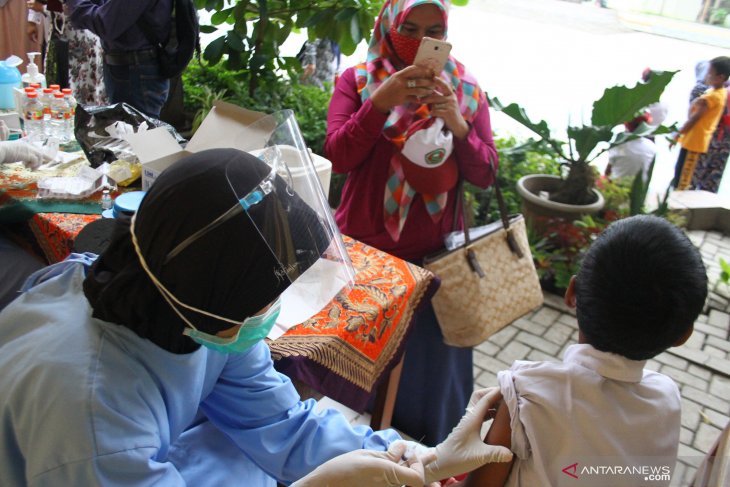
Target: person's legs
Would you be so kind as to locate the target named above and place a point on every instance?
(435, 385)
(139, 85)
(15, 266)
(711, 166)
(678, 167)
(688, 170)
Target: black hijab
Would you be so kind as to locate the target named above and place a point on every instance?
(229, 271)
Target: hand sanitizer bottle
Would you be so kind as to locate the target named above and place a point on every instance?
(31, 72)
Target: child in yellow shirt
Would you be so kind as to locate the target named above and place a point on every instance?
(704, 114)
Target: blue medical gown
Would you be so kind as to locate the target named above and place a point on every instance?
(87, 402)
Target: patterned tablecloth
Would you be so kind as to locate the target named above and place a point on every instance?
(348, 348)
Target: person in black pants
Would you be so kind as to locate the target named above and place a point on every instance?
(131, 66)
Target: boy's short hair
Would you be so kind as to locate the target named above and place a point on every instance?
(640, 288)
(722, 66)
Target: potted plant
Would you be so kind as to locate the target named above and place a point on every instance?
(574, 194)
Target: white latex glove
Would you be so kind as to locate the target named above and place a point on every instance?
(19, 150)
(4, 131)
(464, 450)
(366, 468)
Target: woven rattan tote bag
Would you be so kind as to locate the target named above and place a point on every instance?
(487, 283)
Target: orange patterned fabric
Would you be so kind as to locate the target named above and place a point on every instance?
(55, 232)
(360, 335)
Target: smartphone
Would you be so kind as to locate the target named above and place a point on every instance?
(432, 53)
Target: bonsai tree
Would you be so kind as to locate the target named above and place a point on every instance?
(619, 104)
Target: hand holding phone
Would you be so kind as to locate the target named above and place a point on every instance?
(433, 54)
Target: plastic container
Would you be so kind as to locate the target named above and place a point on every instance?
(32, 75)
(46, 98)
(10, 78)
(127, 203)
(33, 116)
(60, 115)
(106, 200)
(70, 99)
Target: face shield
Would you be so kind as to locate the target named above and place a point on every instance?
(292, 216)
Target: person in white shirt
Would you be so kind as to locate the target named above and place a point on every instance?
(599, 417)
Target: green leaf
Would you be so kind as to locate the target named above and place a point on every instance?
(220, 16)
(317, 18)
(586, 138)
(207, 29)
(346, 14)
(214, 50)
(355, 31)
(518, 113)
(459, 3)
(235, 42)
(241, 28)
(620, 103)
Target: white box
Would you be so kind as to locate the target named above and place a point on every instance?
(226, 126)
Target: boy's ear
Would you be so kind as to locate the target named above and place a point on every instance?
(570, 294)
(684, 337)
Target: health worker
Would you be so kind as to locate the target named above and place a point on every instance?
(146, 365)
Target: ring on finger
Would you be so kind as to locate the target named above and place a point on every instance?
(440, 106)
(411, 83)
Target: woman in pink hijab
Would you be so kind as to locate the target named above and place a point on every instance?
(395, 202)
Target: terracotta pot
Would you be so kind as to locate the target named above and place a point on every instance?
(537, 209)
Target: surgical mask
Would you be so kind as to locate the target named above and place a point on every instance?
(405, 47)
(252, 331)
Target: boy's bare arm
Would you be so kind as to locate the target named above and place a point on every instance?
(699, 107)
(494, 474)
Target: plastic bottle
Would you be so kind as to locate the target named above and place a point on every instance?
(106, 200)
(46, 99)
(33, 116)
(71, 100)
(31, 72)
(59, 118)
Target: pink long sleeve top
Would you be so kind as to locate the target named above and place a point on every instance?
(356, 146)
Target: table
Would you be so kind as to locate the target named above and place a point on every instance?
(351, 351)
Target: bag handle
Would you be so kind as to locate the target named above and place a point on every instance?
(511, 242)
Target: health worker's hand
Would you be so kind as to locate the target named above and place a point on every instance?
(445, 105)
(21, 151)
(463, 450)
(409, 85)
(366, 468)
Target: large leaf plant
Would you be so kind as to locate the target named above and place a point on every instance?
(617, 105)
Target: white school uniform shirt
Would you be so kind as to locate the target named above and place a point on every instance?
(596, 419)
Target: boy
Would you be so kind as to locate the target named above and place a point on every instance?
(598, 418)
(704, 113)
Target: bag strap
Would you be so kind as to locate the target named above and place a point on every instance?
(460, 202)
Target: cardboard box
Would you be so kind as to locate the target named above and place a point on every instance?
(226, 126)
